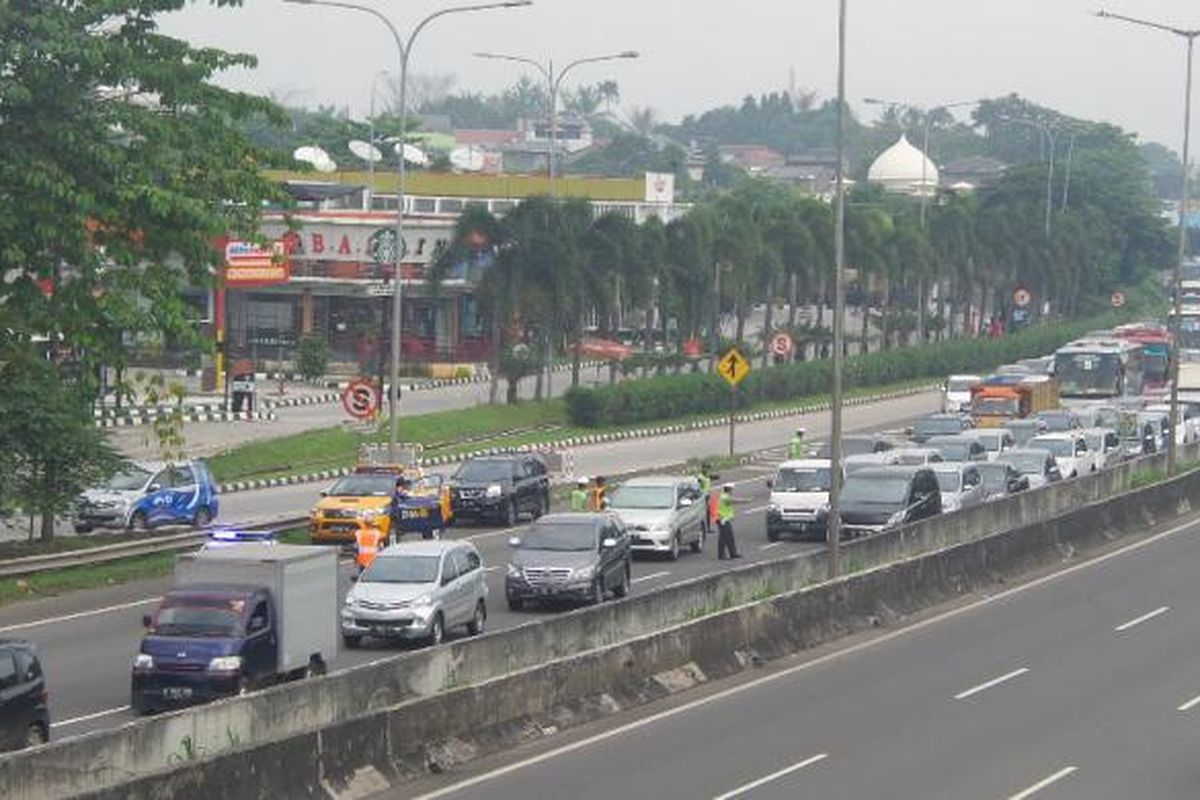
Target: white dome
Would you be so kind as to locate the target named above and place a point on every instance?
(905, 169)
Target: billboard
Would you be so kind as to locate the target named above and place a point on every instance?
(660, 187)
(250, 264)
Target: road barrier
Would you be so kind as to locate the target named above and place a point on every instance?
(375, 724)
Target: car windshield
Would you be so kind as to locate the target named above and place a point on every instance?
(851, 446)
(364, 486)
(483, 469)
(1059, 447)
(960, 385)
(129, 479)
(402, 569)
(875, 490)
(1028, 463)
(995, 476)
(1084, 374)
(803, 479)
(560, 536)
(1095, 441)
(632, 497)
(1057, 423)
(914, 457)
(954, 451)
(990, 441)
(195, 618)
(997, 405)
(1023, 433)
(935, 426)
(949, 481)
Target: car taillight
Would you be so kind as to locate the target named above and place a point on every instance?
(44, 696)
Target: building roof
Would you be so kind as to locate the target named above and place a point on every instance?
(904, 168)
(486, 137)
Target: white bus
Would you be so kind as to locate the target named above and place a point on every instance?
(1097, 368)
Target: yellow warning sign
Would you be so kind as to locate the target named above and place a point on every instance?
(733, 367)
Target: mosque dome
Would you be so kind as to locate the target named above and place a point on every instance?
(904, 169)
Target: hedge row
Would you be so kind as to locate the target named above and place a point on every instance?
(670, 397)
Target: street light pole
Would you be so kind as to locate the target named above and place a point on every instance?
(1190, 37)
(1043, 130)
(404, 50)
(834, 525)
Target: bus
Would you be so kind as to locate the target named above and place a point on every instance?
(1188, 327)
(1099, 368)
(1157, 343)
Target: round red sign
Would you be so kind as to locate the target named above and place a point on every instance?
(782, 344)
(361, 398)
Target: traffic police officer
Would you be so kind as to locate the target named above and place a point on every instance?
(726, 546)
(796, 444)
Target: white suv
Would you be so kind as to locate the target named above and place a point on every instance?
(1070, 450)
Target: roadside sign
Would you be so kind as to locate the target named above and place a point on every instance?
(381, 289)
(361, 398)
(733, 367)
(1021, 296)
(1118, 299)
(782, 344)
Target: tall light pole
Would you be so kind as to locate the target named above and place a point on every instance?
(928, 114)
(1044, 130)
(834, 526)
(404, 50)
(1190, 37)
(553, 82)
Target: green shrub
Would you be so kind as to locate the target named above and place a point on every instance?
(313, 357)
(670, 396)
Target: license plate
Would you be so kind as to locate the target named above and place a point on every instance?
(414, 513)
(340, 527)
(176, 693)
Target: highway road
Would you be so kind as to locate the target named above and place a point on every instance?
(87, 639)
(1081, 685)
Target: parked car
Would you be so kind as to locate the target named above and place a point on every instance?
(1023, 430)
(961, 447)
(417, 591)
(1070, 451)
(575, 557)
(961, 485)
(24, 711)
(956, 393)
(876, 499)
(662, 514)
(857, 444)
(1105, 446)
(916, 456)
(501, 488)
(1038, 465)
(938, 425)
(1059, 420)
(146, 494)
(996, 441)
(799, 502)
(1001, 479)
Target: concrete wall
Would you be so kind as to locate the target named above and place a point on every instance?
(271, 718)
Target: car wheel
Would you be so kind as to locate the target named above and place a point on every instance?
(510, 514)
(35, 736)
(698, 542)
(597, 591)
(542, 506)
(138, 522)
(351, 641)
(674, 553)
(475, 626)
(623, 588)
(203, 518)
(772, 535)
(437, 631)
(515, 603)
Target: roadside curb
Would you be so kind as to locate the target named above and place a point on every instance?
(147, 416)
(578, 441)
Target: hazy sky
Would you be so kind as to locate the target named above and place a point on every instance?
(697, 54)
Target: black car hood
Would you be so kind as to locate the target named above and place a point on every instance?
(868, 514)
(553, 558)
(455, 483)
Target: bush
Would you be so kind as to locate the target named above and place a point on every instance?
(313, 357)
(672, 396)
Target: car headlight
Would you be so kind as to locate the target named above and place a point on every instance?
(143, 661)
(514, 571)
(584, 572)
(774, 508)
(225, 664)
(660, 529)
(351, 601)
(371, 513)
(896, 519)
(495, 490)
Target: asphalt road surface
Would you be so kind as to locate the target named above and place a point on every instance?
(1083, 685)
(87, 639)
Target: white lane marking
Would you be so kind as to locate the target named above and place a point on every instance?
(1043, 783)
(774, 776)
(1124, 626)
(808, 665)
(80, 614)
(88, 717)
(983, 687)
(490, 569)
(1190, 704)
(650, 577)
(770, 546)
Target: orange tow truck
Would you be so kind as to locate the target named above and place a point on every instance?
(1000, 398)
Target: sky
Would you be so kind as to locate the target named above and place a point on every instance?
(698, 54)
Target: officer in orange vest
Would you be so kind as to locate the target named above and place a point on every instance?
(367, 538)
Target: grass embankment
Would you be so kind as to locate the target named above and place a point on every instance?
(451, 433)
(56, 582)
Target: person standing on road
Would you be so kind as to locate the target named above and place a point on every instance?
(705, 479)
(579, 495)
(726, 546)
(796, 444)
(367, 540)
(598, 499)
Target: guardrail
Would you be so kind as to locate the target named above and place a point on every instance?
(87, 556)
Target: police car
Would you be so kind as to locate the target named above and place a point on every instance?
(146, 494)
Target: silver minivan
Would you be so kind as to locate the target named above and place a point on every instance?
(417, 591)
(662, 513)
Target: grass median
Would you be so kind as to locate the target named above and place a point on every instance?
(452, 433)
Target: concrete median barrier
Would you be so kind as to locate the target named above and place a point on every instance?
(372, 725)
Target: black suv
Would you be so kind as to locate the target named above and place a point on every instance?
(24, 715)
(501, 488)
(578, 557)
(880, 498)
